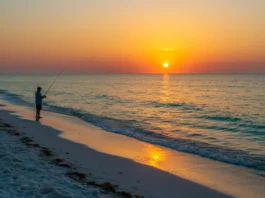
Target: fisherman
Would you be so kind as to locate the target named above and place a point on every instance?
(38, 101)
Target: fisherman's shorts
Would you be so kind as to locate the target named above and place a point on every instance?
(38, 107)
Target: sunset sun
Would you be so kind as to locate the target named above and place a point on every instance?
(165, 65)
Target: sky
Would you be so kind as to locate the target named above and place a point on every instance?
(132, 36)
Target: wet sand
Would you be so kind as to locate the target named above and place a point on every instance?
(136, 167)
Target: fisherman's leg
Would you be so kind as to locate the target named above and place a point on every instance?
(38, 113)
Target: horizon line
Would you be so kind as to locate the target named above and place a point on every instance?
(134, 73)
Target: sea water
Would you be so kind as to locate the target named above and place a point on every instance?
(221, 117)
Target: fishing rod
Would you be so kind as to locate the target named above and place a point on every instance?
(54, 80)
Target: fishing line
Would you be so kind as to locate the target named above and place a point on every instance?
(54, 80)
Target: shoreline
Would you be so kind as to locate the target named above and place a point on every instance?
(125, 161)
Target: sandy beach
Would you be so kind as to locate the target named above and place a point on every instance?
(130, 166)
(28, 172)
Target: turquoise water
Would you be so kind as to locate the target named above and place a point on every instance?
(220, 117)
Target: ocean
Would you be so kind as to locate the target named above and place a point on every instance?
(220, 117)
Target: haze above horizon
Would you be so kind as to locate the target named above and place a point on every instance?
(149, 36)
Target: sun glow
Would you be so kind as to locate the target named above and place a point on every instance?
(155, 155)
(165, 65)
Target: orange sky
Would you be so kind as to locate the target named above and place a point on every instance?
(120, 36)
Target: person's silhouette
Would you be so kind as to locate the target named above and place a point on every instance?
(38, 102)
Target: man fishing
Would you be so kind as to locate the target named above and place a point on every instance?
(38, 101)
(39, 97)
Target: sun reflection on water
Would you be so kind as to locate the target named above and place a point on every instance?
(155, 156)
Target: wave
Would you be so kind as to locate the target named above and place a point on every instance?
(105, 97)
(130, 128)
(251, 125)
(256, 130)
(221, 118)
(14, 98)
(183, 106)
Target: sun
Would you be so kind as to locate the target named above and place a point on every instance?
(165, 64)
